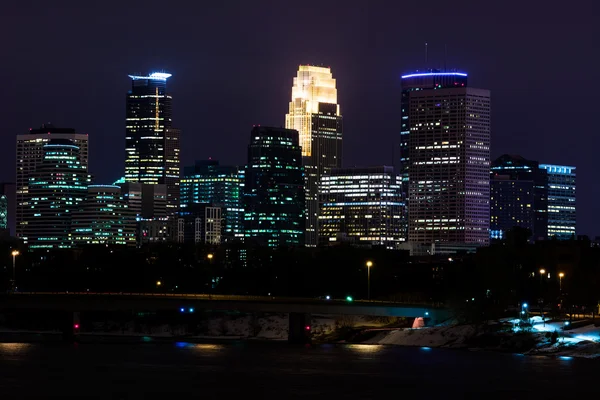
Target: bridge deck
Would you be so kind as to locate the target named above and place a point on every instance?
(86, 301)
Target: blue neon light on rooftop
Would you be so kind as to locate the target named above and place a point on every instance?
(72, 146)
(157, 76)
(104, 186)
(434, 74)
(558, 169)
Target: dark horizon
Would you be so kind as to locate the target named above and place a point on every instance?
(232, 69)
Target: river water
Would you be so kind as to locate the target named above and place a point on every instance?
(259, 370)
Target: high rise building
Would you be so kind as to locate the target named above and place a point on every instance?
(430, 79)
(518, 197)
(562, 218)
(449, 164)
(30, 154)
(55, 191)
(152, 145)
(8, 194)
(315, 114)
(274, 189)
(103, 218)
(207, 183)
(361, 205)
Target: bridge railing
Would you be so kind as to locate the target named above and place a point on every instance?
(226, 297)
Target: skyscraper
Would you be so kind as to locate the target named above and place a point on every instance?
(152, 145)
(448, 164)
(274, 189)
(518, 197)
(30, 154)
(56, 190)
(361, 205)
(424, 80)
(562, 217)
(315, 114)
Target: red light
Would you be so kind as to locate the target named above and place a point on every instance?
(76, 326)
(307, 328)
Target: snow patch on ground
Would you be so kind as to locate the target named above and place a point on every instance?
(443, 336)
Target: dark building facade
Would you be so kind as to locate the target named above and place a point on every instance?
(152, 145)
(8, 194)
(449, 165)
(274, 190)
(208, 184)
(518, 197)
(562, 216)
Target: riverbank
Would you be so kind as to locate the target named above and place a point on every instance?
(508, 336)
(540, 338)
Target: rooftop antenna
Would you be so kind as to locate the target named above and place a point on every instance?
(445, 56)
(425, 54)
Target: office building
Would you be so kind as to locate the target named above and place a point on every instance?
(315, 114)
(147, 203)
(210, 184)
(449, 164)
(201, 223)
(562, 218)
(55, 192)
(363, 206)
(274, 189)
(152, 145)
(30, 153)
(8, 192)
(430, 79)
(518, 197)
(103, 218)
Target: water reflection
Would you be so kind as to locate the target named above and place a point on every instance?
(366, 348)
(14, 348)
(208, 347)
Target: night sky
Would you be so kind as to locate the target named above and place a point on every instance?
(232, 62)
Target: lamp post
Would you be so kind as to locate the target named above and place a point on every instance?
(13, 285)
(560, 276)
(369, 265)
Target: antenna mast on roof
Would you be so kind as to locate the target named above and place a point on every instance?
(425, 54)
(445, 57)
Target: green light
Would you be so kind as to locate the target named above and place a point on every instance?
(348, 298)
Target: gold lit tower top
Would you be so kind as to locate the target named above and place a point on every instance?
(312, 86)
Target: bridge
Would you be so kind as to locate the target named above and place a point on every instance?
(299, 309)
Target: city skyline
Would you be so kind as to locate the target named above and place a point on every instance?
(368, 60)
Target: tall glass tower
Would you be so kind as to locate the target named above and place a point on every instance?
(152, 145)
(274, 189)
(315, 114)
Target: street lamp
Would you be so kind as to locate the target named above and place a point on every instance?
(158, 283)
(14, 253)
(560, 276)
(210, 256)
(369, 265)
